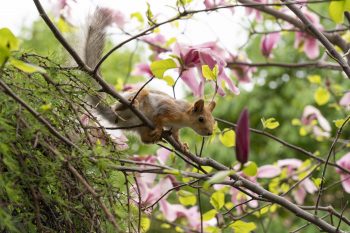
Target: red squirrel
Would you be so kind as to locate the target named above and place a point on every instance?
(164, 111)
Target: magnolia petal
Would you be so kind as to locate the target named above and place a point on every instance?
(142, 69)
(189, 78)
(168, 210)
(310, 110)
(269, 42)
(317, 131)
(311, 47)
(345, 100)
(232, 87)
(309, 186)
(163, 155)
(268, 171)
(159, 190)
(345, 182)
(344, 162)
(299, 195)
(295, 163)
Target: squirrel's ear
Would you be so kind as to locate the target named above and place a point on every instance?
(198, 105)
(212, 105)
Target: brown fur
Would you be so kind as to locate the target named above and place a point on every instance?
(168, 113)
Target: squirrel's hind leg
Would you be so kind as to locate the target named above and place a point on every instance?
(150, 136)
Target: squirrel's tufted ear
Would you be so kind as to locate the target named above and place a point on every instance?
(212, 105)
(198, 105)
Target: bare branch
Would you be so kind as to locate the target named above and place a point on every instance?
(321, 37)
(307, 65)
(327, 162)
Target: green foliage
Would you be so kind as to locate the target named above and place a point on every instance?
(37, 190)
(250, 169)
(337, 9)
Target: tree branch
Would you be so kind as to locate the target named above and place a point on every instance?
(307, 65)
(320, 36)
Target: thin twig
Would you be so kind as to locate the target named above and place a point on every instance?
(327, 162)
(320, 36)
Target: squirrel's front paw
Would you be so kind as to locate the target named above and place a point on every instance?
(156, 134)
(185, 147)
(135, 103)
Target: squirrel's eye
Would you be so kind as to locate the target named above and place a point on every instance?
(201, 119)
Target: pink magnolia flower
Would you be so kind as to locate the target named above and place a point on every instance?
(308, 118)
(163, 155)
(172, 212)
(344, 177)
(269, 42)
(237, 197)
(119, 138)
(194, 57)
(306, 186)
(345, 101)
(256, 13)
(60, 7)
(142, 69)
(214, 3)
(268, 171)
(157, 44)
(244, 73)
(311, 47)
(151, 193)
(242, 137)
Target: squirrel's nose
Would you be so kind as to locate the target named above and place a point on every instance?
(210, 133)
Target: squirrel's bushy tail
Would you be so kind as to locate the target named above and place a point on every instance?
(93, 49)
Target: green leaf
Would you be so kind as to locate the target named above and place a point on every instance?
(187, 198)
(317, 182)
(338, 123)
(4, 55)
(170, 41)
(149, 15)
(172, 171)
(145, 224)
(321, 96)
(314, 79)
(250, 169)
(138, 16)
(209, 215)
(302, 131)
(8, 40)
(270, 123)
(217, 200)
(46, 107)
(159, 67)
(169, 80)
(228, 137)
(165, 226)
(336, 11)
(179, 229)
(64, 26)
(243, 227)
(183, 2)
(296, 121)
(218, 177)
(26, 67)
(210, 74)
